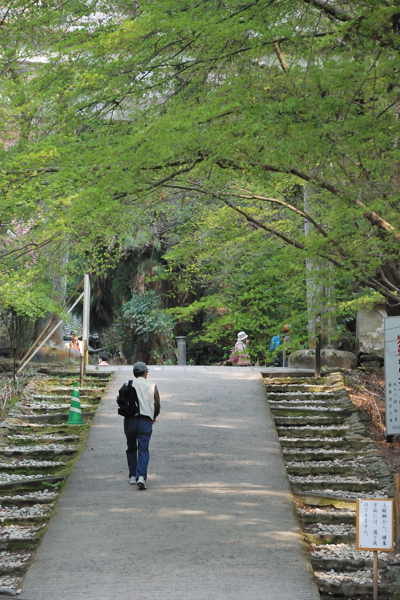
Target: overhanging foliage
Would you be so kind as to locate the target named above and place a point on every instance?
(229, 101)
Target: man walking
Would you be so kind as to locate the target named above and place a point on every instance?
(138, 429)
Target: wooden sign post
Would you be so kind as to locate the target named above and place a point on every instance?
(375, 531)
(317, 358)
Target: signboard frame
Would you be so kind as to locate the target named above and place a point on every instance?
(392, 375)
(371, 501)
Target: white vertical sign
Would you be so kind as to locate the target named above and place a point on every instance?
(392, 374)
(375, 525)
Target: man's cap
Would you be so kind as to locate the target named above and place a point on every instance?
(139, 367)
(242, 336)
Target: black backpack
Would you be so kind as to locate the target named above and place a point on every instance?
(128, 401)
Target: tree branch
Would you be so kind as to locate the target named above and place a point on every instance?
(249, 196)
(250, 219)
(370, 282)
(370, 215)
(280, 56)
(330, 10)
(377, 220)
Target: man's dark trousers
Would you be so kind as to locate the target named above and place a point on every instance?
(138, 432)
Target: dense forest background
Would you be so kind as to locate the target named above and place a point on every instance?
(179, 151)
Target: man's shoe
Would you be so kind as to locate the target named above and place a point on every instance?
(141, 483)
(132, 480)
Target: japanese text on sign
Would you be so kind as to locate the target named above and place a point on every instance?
(375, 525)
(392, 374)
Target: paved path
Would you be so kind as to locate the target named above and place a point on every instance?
(216, 522)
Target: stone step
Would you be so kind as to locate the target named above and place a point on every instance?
(64, 398)
(37, 447)
(15, 562)
(304, 376)
(328, 516)
(24, 521)
(299, 403)
(10, 468)
(298, 389)
(313, 431)
(362, 486)
(15, 537)
(324, 398)
(37, 512)
(318, 500)
(27, 498)
(311, 410)
(308, 454)
(309, 420)
(49, 417)
(49, 410)
(351, 588)
(30, 484)
(39, 451)
(56, 372)
(25, 427)
(31, 436)
(329, 538)
(322, 469)
(338, 564)
(287, 442)
(19, 544)
(87, 391)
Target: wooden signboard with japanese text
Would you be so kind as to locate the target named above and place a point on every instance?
(375, 525)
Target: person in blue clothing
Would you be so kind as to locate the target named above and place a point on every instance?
(279, 346)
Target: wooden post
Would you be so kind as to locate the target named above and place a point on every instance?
(375, 574)
(396, 482)
(317, 361)
(82, 371)
(85, 325)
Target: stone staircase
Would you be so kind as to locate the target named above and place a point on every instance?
(38, 451)
(331, 461)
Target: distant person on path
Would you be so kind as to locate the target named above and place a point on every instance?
(280, 345)
(103, 361)
(138, 429)
(239, 355)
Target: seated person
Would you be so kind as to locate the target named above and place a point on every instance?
(103, 361)
(75, 343)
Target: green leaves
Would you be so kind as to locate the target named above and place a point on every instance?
(143, 315)
(107, 118)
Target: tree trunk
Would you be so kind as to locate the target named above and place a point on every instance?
(320, 280)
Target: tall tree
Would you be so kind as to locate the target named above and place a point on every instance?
(235, 102)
